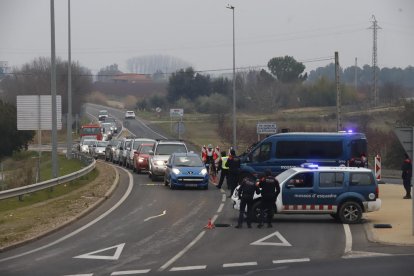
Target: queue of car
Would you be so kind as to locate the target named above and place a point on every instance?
(343, 192)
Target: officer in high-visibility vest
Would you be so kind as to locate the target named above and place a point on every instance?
(223, 168)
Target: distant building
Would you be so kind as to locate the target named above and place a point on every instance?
(130, 78)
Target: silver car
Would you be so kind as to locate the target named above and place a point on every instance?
(98, 149)
(160, 154)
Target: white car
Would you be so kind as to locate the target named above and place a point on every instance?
(98, 149)
(130, 114)
(85, 144)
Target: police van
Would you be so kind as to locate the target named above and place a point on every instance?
(345, 193)
(282, 151)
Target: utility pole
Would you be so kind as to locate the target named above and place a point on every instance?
(234, 83)
(338, 94)
(374, 28)
(356, 74)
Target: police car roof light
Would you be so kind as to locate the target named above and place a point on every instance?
(309, 165)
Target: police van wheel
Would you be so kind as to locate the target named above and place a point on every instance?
(350, 212)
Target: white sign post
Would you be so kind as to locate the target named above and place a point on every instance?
(266, 128)
(177, 113)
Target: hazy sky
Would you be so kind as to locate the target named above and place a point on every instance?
(200, 31)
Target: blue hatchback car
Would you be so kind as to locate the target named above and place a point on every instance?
(186, 170)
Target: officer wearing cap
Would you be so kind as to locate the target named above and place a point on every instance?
(269, 189)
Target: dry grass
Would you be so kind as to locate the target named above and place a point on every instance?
(28, 222)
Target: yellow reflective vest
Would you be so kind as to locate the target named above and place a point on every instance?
(223, 162)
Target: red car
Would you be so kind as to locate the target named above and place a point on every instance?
(141, 157)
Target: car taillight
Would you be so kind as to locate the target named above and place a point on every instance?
(377, 192)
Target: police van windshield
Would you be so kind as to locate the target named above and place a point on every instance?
(284, 175)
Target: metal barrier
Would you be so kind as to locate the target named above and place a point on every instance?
(53, 182)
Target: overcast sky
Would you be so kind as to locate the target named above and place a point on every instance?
(200, 31)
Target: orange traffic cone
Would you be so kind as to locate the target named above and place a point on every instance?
(209, 225)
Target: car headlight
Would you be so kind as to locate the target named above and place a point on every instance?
(176, 171)
(203, 172)
(159, 162)
(140, 159)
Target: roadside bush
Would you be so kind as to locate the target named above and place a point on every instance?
(214, 104)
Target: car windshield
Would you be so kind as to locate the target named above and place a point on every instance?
(102, 144)
(168, 149)
(145, 149)
(89, 142)
(188, 161)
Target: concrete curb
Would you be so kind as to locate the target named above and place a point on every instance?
(374, 238)
(77, 217)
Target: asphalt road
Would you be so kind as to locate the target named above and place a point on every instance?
(146, 228)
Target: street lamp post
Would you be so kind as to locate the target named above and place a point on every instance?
(234, 83)
(69, 118)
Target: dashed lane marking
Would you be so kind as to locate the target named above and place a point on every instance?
(239, 264)
(130, 272)
(152, 184)
(186, 268)
(223, 197)
(220, 208)
(291, 261)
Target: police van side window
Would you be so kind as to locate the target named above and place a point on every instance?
(331, 179)
(302, 180)
(361, 179)
(262, 153)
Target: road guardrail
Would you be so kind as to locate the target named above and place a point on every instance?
(52, 182)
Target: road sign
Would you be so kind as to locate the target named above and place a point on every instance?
(266, 128)
(176, 112)
(378, 167)
(35, 112)
(405, 135)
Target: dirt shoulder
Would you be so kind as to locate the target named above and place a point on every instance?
(28, 223)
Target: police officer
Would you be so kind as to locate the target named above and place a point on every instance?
(233, 163)
(269, 189)
(223, 168)
(246, 193)
(407, 172)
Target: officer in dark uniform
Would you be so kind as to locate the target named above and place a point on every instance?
(233, 163)
(246, 193)
(407, 172)
(269, 189)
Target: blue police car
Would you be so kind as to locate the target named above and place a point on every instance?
(343, 192)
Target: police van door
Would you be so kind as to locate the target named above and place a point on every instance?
(260, 158)
(298, 193)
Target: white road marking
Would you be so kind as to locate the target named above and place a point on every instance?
(182, 252)
(283, 242)
(160, 215)
(124, 197)
(152, 184)
(186, 268)
(240, 264)
(348, 239)
(90, 274)
(114, 257)
(214, 218)
(220, 208)
(363, 254)
(223, 197)
(130, 272)
(291, 261)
